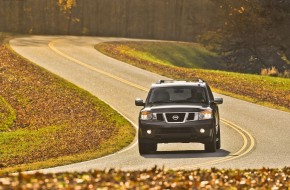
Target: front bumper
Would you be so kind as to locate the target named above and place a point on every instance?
(162, 132)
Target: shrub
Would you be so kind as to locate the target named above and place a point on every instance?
(270, 72)
(286, 74)
(264, 72)
(274, 72)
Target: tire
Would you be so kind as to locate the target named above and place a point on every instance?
(218, 143)
(212, 145)
(145, 148)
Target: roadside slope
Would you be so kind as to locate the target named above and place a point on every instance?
(7, 115)
(56, 122)
(264, 90)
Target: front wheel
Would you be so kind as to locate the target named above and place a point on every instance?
(212, 145)
(218, 139)
(146, 148)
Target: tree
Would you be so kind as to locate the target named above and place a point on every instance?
(257, 30)
(67, 6)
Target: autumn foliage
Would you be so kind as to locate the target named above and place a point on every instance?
(66, 5)
(153, 179)
(54, 118)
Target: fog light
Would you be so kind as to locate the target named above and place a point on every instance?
(201, 130)
(149, 132)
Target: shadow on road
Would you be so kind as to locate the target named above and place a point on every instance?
(33, 43)
(186, 154)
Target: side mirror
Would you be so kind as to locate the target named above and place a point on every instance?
(139, 102)
(218, 100)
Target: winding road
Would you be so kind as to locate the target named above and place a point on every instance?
(252, 136)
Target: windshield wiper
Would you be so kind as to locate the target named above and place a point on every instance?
(160, 102)
(186, 101)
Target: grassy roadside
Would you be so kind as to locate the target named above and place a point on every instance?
(263, 90)
(7, 115)
(180, 54)
(56, 122)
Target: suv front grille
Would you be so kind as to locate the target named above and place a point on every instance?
(190, 116)
(159, 117)
(175, 117)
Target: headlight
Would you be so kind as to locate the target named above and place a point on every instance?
(146, 115)
(206, 114)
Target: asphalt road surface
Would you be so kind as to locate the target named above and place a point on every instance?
(252, 136)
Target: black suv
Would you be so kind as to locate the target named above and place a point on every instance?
(179, 111)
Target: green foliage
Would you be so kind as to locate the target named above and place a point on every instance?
(265, 90)
(7, 115)
(154, 178)
(57, 123)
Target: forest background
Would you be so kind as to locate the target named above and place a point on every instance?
(250, 36)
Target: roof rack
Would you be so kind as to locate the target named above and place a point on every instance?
(178, 81)
(168, 81)
(200, 80)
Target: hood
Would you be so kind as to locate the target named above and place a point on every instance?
(176, 108)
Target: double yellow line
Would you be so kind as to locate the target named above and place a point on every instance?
(51, 46)
(245, 149)
(248, 139)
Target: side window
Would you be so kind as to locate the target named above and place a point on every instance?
(211, 98)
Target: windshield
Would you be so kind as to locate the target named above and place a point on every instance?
(187, 94)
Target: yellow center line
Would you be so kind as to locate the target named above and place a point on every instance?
(240, 130)
(51, 45)
(235, 155)
(252, 140)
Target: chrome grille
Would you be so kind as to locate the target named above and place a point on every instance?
(190, 116)
(159, 117)
(175, 117)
